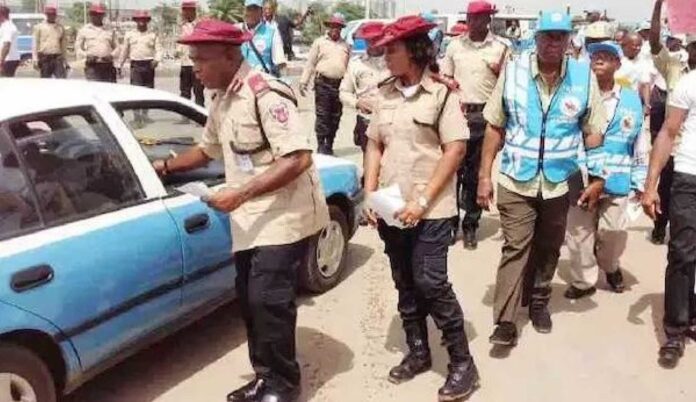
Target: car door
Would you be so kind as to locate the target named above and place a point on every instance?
(87, 248)
(165, 129)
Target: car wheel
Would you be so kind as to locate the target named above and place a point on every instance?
(326, 254)
(24, 377)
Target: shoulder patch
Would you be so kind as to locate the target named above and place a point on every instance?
(258, 84)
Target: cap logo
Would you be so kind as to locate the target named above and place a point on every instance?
(556, 17)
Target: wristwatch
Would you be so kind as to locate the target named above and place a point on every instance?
(423, 202)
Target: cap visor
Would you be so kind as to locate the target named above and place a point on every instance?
(601, 47)
(199, 39)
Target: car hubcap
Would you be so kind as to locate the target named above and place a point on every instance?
(14, 388)
(330, 249)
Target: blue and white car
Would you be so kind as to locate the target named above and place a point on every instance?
(98, 256)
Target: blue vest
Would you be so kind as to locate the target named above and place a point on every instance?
(263, 40)
(544, 142)
(624, 171)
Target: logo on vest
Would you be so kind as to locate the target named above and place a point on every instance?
(628, 124)
(570, 106)
(260, 44)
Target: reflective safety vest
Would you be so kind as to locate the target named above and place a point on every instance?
(547, 142)
(625, 171)
(263, 41)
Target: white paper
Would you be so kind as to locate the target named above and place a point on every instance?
(633, 210)
(385, 203)
(196, 189)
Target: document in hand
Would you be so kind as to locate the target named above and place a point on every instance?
(385, 203)
(682, 16)
(196, 189)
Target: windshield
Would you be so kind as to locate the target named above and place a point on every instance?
(26, 25)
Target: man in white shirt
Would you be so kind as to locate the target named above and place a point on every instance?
(634, 72)
(680, 309)
(9, 56)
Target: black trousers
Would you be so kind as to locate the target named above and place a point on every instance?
(360, 132)
(142, 73)
(680, 302)
(98, 71)
(658, 103)
(188, 82)
(267, 286)
(467, 175)
(9, 68)
(418, 259)
(52, 65)
(329, 110)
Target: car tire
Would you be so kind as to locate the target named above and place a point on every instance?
(327, 254)
(28, 375)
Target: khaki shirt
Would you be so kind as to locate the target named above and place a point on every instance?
(470, 64)
(288, 214)
(94, 41)
(328, 58)
(183, 50)
(49, 39)
(412, 131)
(360, 82)
(593, 122)
(670, 67)
(139, 46)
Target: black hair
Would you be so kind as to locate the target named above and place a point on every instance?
(422, 52)
(5, 11)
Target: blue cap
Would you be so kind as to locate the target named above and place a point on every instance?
(607, 46)
(256, 3)
(555, 21)
(430, 17)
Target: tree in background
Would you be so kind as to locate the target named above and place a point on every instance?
(351, 11)
(227, 10)
(314, 26)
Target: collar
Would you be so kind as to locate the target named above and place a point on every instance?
(487, 40)
(426, 83)
(234, 88)
(615, 93)
(327, 37)
(535, 67)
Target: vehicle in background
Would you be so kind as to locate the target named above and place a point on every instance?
(25, 23)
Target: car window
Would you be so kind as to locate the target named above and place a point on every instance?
(18, 211)
(75, 166)
(165, 130)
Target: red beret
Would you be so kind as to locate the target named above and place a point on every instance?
(405, 27)
(370, 30)
(97, 8)
(458, 29)
(481, 7)
(336, 19)
(141, 15)
(216, 31)
(50, 9)
(189, 4)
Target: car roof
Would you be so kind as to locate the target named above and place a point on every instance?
(22, 96)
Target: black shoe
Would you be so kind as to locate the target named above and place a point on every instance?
(616, 282)
(248, 393)
(462, 380)
(541, 318)
(574, 293)
(470, 240)
(504, 334)
(657, 237)
(671, 352)
(271, 395)
(415, 362)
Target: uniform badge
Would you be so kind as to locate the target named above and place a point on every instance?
(628, 123)
(260, 44)
(570, 106)
(280, 112)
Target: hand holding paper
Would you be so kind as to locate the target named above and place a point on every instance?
(386, 203)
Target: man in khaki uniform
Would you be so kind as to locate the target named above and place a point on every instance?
(328, 57)
(359, 87)
(188, 82)
(50, 43)
(474, 61)
(273, 196)
(538, 133)
(95, 44)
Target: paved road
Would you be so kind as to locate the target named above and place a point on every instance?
(601, 349)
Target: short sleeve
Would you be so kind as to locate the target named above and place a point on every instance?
(447, 65)
(373, 128)
(494, 112)
(210, 141)
(5, 34)
(595, 121)
(282, 124)
(278, 53)
(452, 125)
(682, 97)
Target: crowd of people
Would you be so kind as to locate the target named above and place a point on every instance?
(570, 122)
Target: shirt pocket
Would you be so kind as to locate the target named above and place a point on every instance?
(386, 123)
(248, 139)
(427, 121)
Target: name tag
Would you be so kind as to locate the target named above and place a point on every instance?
(244, 163)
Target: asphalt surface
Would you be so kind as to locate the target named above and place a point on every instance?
(602, 348)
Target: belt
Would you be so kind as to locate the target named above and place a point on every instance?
(141, 61)
(330, 80)
(100, 60)
(50, 55)
(473, 107)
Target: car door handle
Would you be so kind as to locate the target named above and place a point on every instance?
(31, 277)
(196, 223)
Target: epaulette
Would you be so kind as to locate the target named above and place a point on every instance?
(258, 84)
(386, 81)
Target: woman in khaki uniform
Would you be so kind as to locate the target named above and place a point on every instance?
(416, 140)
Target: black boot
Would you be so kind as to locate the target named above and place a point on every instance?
(671, 351)
(462, 380)
(470, 240)
(616, 281)
(417, 360)
(540, 316)
(250, 392)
